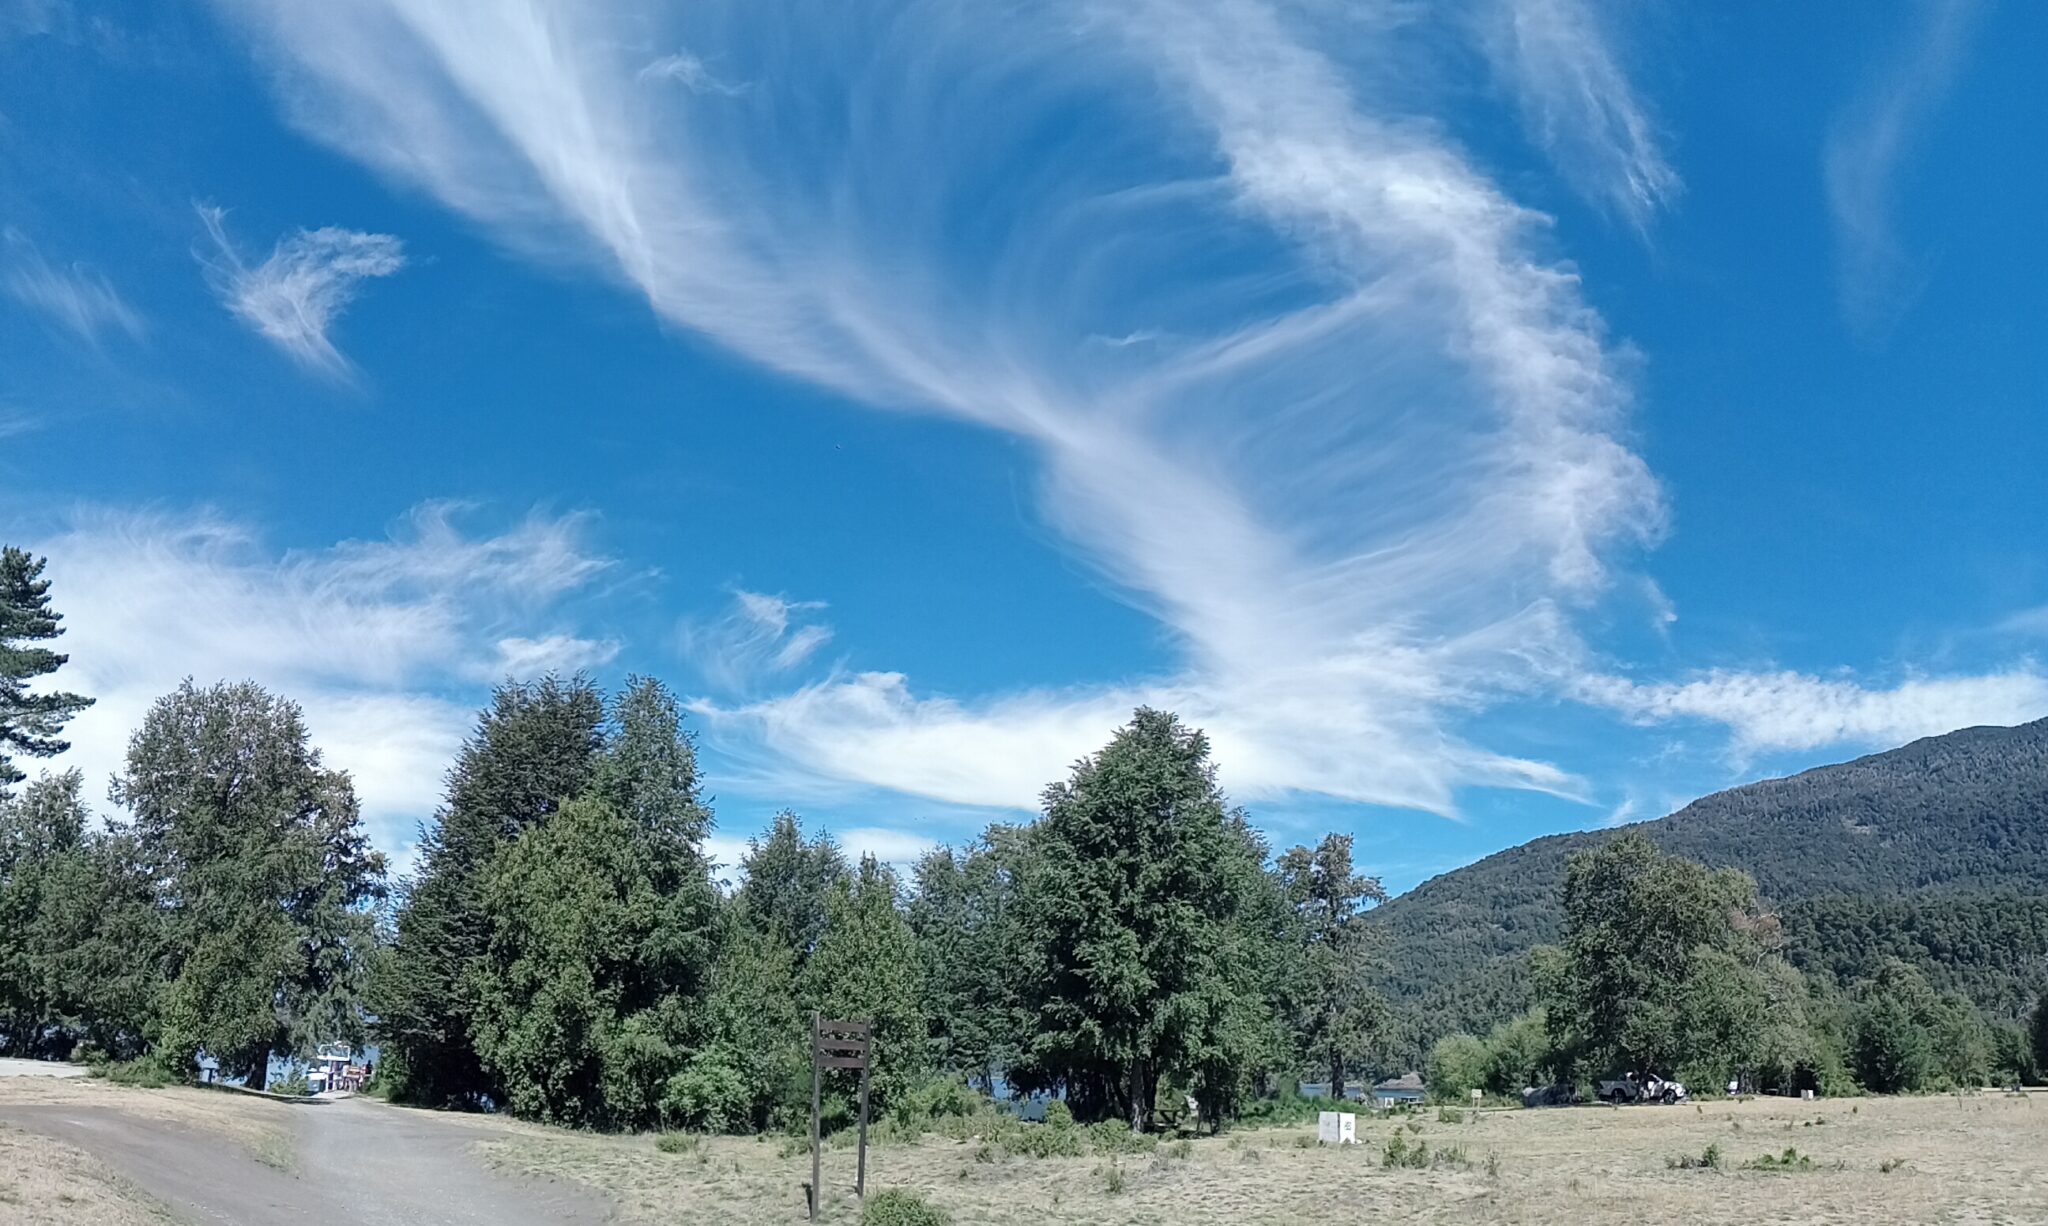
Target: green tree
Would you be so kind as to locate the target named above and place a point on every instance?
(602, 933)
(753, 1071)
(81, 943)
(866, 966)
(1639, 925)
(1458, 1064)
(1336, 1015)
(264, 875)
(961, 916)
(789, 880)
(536, 745)
(29, 722)
(1893, 1053)
(1519, 1055)
(1134, 957)
(2037, 1036)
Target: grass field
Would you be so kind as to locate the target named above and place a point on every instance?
(1981, 1158)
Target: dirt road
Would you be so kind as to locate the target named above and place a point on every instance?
(355, 1161)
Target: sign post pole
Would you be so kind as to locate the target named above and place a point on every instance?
(843, 1045)
(817, 1189)
(860, 1179)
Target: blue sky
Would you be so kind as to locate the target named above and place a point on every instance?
(1486, 419)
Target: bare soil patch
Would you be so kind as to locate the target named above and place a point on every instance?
(54, 1184)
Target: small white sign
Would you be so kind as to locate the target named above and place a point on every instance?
(1337, 1128)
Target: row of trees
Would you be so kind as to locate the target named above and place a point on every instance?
(565, 951)
(1669, 967)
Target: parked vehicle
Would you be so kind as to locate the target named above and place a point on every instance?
(1646, 1089)
(1550, 1096)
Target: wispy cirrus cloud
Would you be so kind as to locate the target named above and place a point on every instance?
(383, 642)
(1578, 104)
(759, 637)
(293, 298)
(1865, 150)
(687, 70)
(1367, 465)
(75, 297)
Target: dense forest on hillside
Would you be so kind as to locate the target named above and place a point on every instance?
(1935, 853)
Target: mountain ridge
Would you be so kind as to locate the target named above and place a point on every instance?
(1936, 851)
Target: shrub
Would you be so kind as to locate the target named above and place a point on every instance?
(1113, 1178)
(1111, 1137)
(1400, 1153)
(677, 1143)
(901, 1207)
(1046, 1140)
(937, 1099)
(1058, 1114)
(1707, 1161)
(143, 1072)
(1790, 1160)
(293, 1086)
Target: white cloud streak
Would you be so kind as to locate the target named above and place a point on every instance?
(77, 298)
(293, 298)
(1789, 711)
(1864, 152)
(1578, 104)
(382, 642)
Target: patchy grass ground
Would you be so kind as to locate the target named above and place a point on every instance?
(259, 1125)
(51, 1184)
(1975, 1159)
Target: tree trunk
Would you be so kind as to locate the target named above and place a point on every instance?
(261, 1077)
(1140, 1105)
(1337, 1076)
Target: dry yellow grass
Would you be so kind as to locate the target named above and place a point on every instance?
(48, 1183)
(1974, 1159)
(261, 1126)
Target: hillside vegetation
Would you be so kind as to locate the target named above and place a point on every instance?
(1935, 853)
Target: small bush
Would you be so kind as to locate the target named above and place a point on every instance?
(680, 1143)
(793, 1146)
(938, 1099)
(1710, 1160)
(1450, 1155)
(1181, 1150)
(1790, 1160)
(1400, 1153)
(1113, 1178)
(1058, 1114)
(1449, 1115)
(1046, 1140)
(1111, 1137)
(293, 1086)
(901, 1207)
(144, 1073)
(1305, 1141)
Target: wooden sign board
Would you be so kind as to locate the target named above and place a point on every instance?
(838, 1045)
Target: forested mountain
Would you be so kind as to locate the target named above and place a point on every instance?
(1935, 852)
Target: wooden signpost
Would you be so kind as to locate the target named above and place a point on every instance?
(844, 1045)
